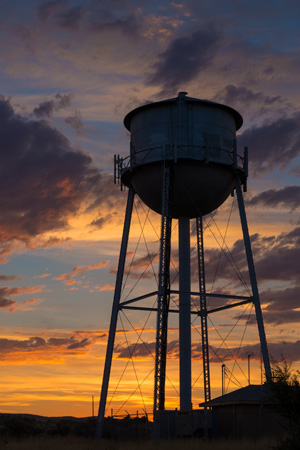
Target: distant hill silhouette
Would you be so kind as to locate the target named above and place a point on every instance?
(25, 425)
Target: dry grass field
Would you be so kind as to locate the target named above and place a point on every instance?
(77, 443)
(29, 432)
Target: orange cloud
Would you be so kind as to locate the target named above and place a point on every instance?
(22, 290)
(106, 287)
(27, 305)
(63, 276)
(44, 275)
(68, 278)
(37, 348)
(70, 282)
(79, 270)
(6, 293)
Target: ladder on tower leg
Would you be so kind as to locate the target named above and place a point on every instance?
(163, 300)
(203, 310)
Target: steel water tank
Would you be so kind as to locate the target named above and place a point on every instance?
(196, 138)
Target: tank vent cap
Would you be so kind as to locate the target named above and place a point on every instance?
(181, 95)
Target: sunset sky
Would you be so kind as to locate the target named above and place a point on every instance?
(70, 70)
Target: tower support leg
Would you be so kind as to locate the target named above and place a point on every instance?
(259, 318)
(203, 309)
(185, 314)
(114, 314)
(163, 299)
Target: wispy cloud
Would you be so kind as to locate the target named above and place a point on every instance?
(44, 275)
(7, 295)
(68, 278)
(26, 305)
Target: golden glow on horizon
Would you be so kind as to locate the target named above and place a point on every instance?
(75, 376)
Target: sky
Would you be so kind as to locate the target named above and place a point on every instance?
(69, 73)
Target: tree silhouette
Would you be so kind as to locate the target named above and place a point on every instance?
(285, 388)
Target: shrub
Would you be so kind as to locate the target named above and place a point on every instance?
(285, 387)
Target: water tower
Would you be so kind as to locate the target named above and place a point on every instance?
(183, 164)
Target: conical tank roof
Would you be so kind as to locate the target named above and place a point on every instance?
(238, 118)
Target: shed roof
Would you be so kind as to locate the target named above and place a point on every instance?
(252, 394)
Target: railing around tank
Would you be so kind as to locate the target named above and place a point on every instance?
(175, 152)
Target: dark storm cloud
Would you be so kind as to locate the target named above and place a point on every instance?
(7, 292)
(7, 345)
(183, 59)
(96, 18)
(282, 300)
(48, 9)
(83, 343)
(288, 197)
(48, 347)
(236, 95)
(225, 262)
(9, 277)
(284, 318)
(139, 268)
(71, 17)
(112, 198)
(43, 179)
(6, 111)
(290, 238)
(295, 170)
(288, 350)
(272, 145)
(127, 25)
(275, 257)
(75, 122)
(58, 342)
(64, 15)
(143, 350)
(47, 108)
(281, 306)
(7, 302)
(279, 261)
(104, 220)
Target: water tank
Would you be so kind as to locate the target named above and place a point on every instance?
(196, 139)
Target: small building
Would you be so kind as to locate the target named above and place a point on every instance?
(245, 413)
(171, 424)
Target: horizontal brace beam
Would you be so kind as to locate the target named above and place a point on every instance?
(228, 306)
(141, 297)
(145, 308)
(198, 313)
(211, 295)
